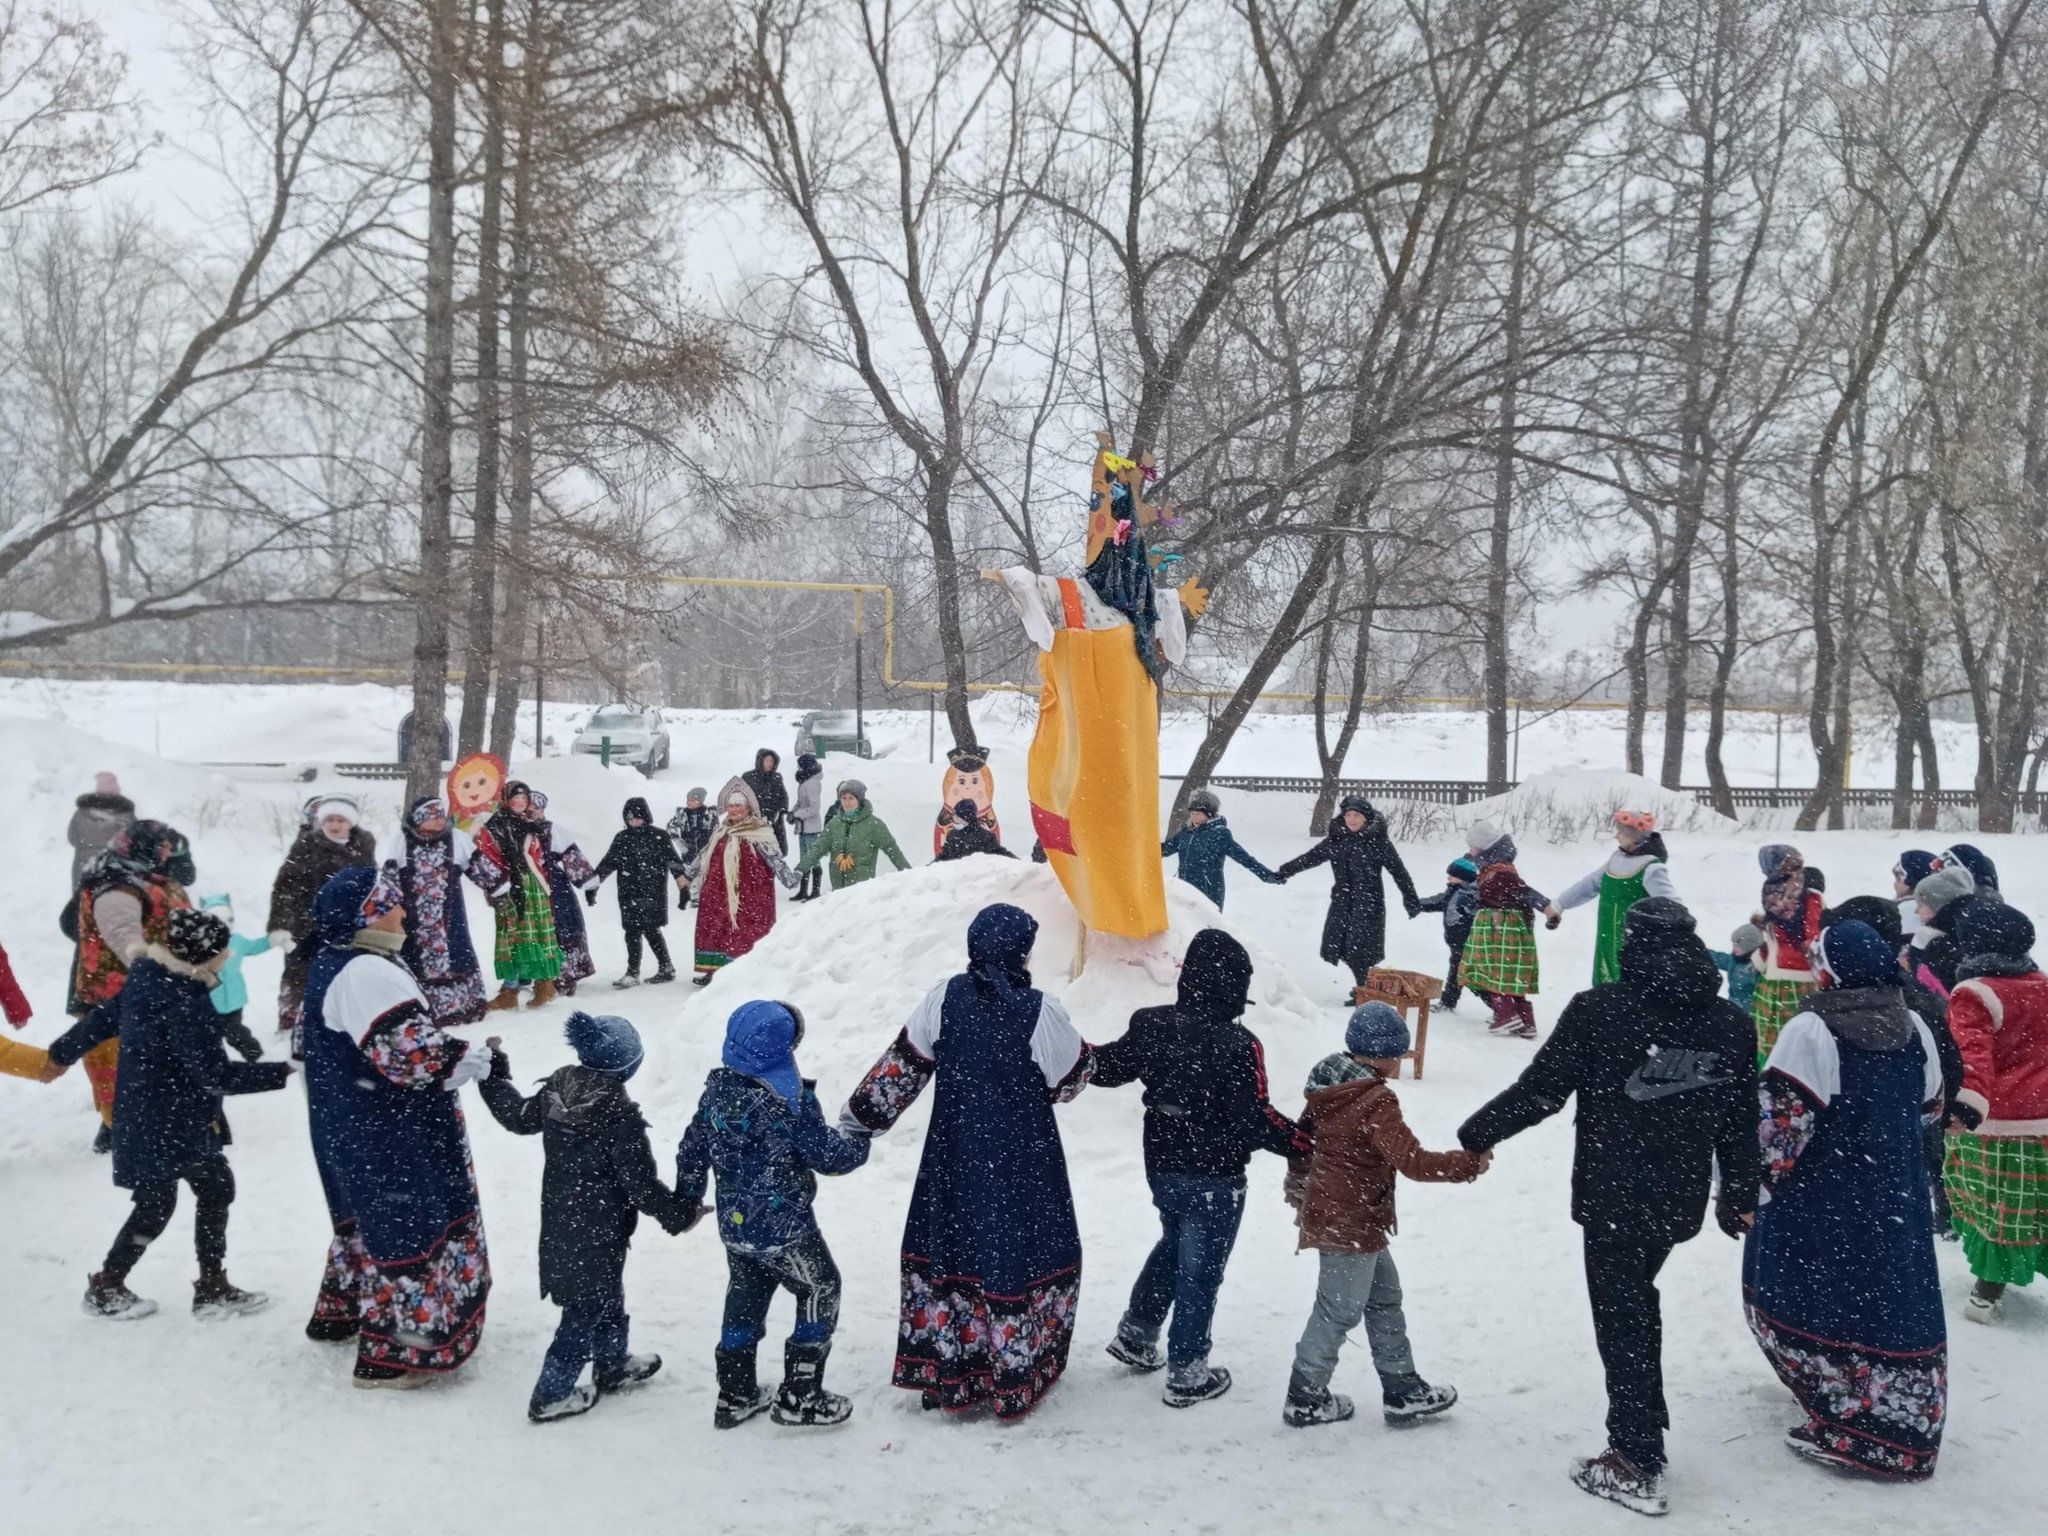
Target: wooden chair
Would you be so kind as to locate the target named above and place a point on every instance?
(1408, 992)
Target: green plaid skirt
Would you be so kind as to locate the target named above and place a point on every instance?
(1500, 955)
(527, 950)
(1777, 1000)
(1998, 1194)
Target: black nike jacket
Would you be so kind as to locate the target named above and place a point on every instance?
(1665, 1073)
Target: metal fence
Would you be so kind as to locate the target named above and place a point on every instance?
(1754, 797)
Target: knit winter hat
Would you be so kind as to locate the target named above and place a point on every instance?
(1747, 939)
(193, 936)
(1881, 915)
(104, 783)
(760, 1042)
(853, 787)
(696, 793)
(1914, 865)
(1484, 834)
(1462, 869)
(1377, 1031)
(1989, 928)
(1976, 861)
(1853, 955)
(1205, 801)
(338, 805)
(1658, 914)
(1949, 883)
(1356, 803)
(1774, 858)
(605, 1043)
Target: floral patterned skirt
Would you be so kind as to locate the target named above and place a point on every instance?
(425, 1314)
(1880, 1409)
(971, 1348)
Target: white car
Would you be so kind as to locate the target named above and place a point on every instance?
(638, 737)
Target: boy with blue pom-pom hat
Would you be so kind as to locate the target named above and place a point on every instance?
(1343, 1195)
(760, 1129)
(599, 1176)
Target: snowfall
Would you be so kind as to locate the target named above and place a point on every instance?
(175, 1426)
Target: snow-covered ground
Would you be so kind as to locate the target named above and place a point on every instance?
(176, 1427)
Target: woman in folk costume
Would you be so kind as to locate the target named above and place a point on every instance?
(1997, 1171)
(569, 873)
(733, 883)
(407, 1272)
(1638, 867)
(124, 904)
(1838, 1276)
(991, 1260)
(510, 862)
(438, 951)
(331, 838)
(1094, 765)
(1790, 920)
(1500, 957)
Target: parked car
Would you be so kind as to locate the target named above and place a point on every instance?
(638, 737)
(832, 730)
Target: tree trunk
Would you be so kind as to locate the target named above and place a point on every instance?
(431, 603)
(478, 653)
(938, 521)
(1724, 663)
(1354, 701)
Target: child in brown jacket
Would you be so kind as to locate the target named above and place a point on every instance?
(1343, 1193)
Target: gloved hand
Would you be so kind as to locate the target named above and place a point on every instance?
(1728, 1219)
(1553, 921)
(1413, 905)
(474, 1067)
(590, 896)
(281, 938)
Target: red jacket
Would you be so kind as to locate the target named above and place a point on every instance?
(2001, 1027)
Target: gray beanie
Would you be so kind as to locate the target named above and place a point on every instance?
(853, 787)
(1747, 939)
(1485, 834)
(1945, 885)
(699, 792)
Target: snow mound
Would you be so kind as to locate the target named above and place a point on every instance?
(1564, 804)
(858, 961)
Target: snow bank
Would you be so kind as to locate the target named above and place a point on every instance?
(1562, 805)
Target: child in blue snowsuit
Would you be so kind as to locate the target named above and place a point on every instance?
(232, 995)
(1736, 963)
(1204, 843)
(1458, 900)
(758, 1127)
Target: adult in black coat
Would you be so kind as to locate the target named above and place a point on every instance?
(1206, 1112)
(1359, 851)
(332, 840)
(1664, 1068)
(599, 1175)
(645, 859)
(770, 792)
(168, 1125)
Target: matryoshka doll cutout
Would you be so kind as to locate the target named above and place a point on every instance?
(968, 777)
(473, 786)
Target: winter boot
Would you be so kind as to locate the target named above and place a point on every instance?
(214, 1296)
(108, 1297)
(579, 1399)
(666, 973)
(333, 1330)
(1308, 1406)
(630, 979)
(740, 1397)
(1140, 1354)
(702, 978)
(103, 1140)
(803, 1399)
(1612, 1476)
(629, 1372)
(1404, 1399)
(543, 994)
(1983, 1302)
(374, 1378)
(1197, 1384)
(508, 997)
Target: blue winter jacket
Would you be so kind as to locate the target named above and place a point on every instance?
(1202, 851)
(766, 1155)
(1458, 903)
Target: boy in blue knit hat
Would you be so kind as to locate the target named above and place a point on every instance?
(758, 1127)
(1458, 900)
(1343, 1195)
(599, 1176)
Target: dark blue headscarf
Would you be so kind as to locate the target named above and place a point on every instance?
(999, 944)
(1121, 574)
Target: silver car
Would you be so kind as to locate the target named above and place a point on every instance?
(637, 737)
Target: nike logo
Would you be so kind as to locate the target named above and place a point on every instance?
(1664, 1073)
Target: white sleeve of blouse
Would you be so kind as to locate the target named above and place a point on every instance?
(923, 1028)
(1173, 625)
(1806, 1052)
(1021, 586)
(1055, 1043)
(363, 992)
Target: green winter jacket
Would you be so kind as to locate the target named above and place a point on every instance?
(850, 845)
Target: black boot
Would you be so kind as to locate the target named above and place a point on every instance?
(803, 1398)
(740, 1396)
